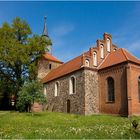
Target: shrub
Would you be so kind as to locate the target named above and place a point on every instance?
(31, 92)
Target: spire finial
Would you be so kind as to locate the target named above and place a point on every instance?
(45, 33)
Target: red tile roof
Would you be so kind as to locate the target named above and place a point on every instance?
(117, 57)
(48, 56)
(64, 69)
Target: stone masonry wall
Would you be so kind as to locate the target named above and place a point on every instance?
(59, 103)
(43, 67)
(91, 92)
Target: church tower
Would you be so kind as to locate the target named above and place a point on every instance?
(48, 48)
(47, 62)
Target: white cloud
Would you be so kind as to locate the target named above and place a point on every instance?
(62, 29)
(133, 46)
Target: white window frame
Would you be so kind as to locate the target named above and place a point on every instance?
(102, 50)
(87, 62)
(71, 86)
(95, 58)
(45, 90)
(56, 89)
(108, 44)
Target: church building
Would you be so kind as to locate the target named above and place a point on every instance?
(103, 80)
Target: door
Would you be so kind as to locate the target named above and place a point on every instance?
(68, 106)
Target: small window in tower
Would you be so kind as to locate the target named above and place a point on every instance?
(139, 88)
(50, 66)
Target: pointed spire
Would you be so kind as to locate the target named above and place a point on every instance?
(45, 32)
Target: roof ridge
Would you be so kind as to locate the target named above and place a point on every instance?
(122, 49)
(132, 54)
(103, 60)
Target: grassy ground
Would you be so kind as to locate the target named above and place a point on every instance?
(58, 125)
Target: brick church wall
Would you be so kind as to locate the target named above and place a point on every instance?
(120, 105)
(59, 103)
(133, 96)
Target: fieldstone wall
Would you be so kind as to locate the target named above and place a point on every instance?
(59, 103)
(91, 92)
(43, 67)
(85, 101)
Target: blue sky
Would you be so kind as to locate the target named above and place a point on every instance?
(74, 27)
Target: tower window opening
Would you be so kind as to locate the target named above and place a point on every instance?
(50, 66)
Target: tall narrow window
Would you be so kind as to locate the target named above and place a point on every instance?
(111, 93)
(94, 58)
(45, 91)
(72, 85)
(87, 62)
(56, 89)
(108, 45)
(139, 88)
(50, 66)
(102, 51)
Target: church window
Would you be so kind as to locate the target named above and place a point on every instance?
(50, 66)
(72, 85)
(87, 62)
(102, 51)
(94, 58)
(110, 86)
(108, 45)
(139, 88)
(45, 91)
(56, 89)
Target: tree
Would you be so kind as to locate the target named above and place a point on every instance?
(31, 92)
(19, 52)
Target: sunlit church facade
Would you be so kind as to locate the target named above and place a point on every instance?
(103, 80)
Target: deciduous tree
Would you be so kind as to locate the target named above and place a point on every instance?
(19, 52)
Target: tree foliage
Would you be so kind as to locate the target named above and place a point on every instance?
(31, 92)
(19, 51)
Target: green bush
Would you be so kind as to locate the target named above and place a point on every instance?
(31, 92)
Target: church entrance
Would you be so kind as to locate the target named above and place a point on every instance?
(68, 106)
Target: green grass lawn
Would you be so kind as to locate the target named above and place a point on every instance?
(50, 125)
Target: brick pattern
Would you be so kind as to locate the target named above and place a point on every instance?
(120, 106)
(133, 99)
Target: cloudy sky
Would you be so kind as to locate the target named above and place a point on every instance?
(75, 26)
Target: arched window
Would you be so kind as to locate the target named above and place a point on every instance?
(94, 58)
(45, 91)
(110, 86)
(108, 45)
(72, 85)
(139, 88)
(87, 62)
(102, 51)
(56, 89)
